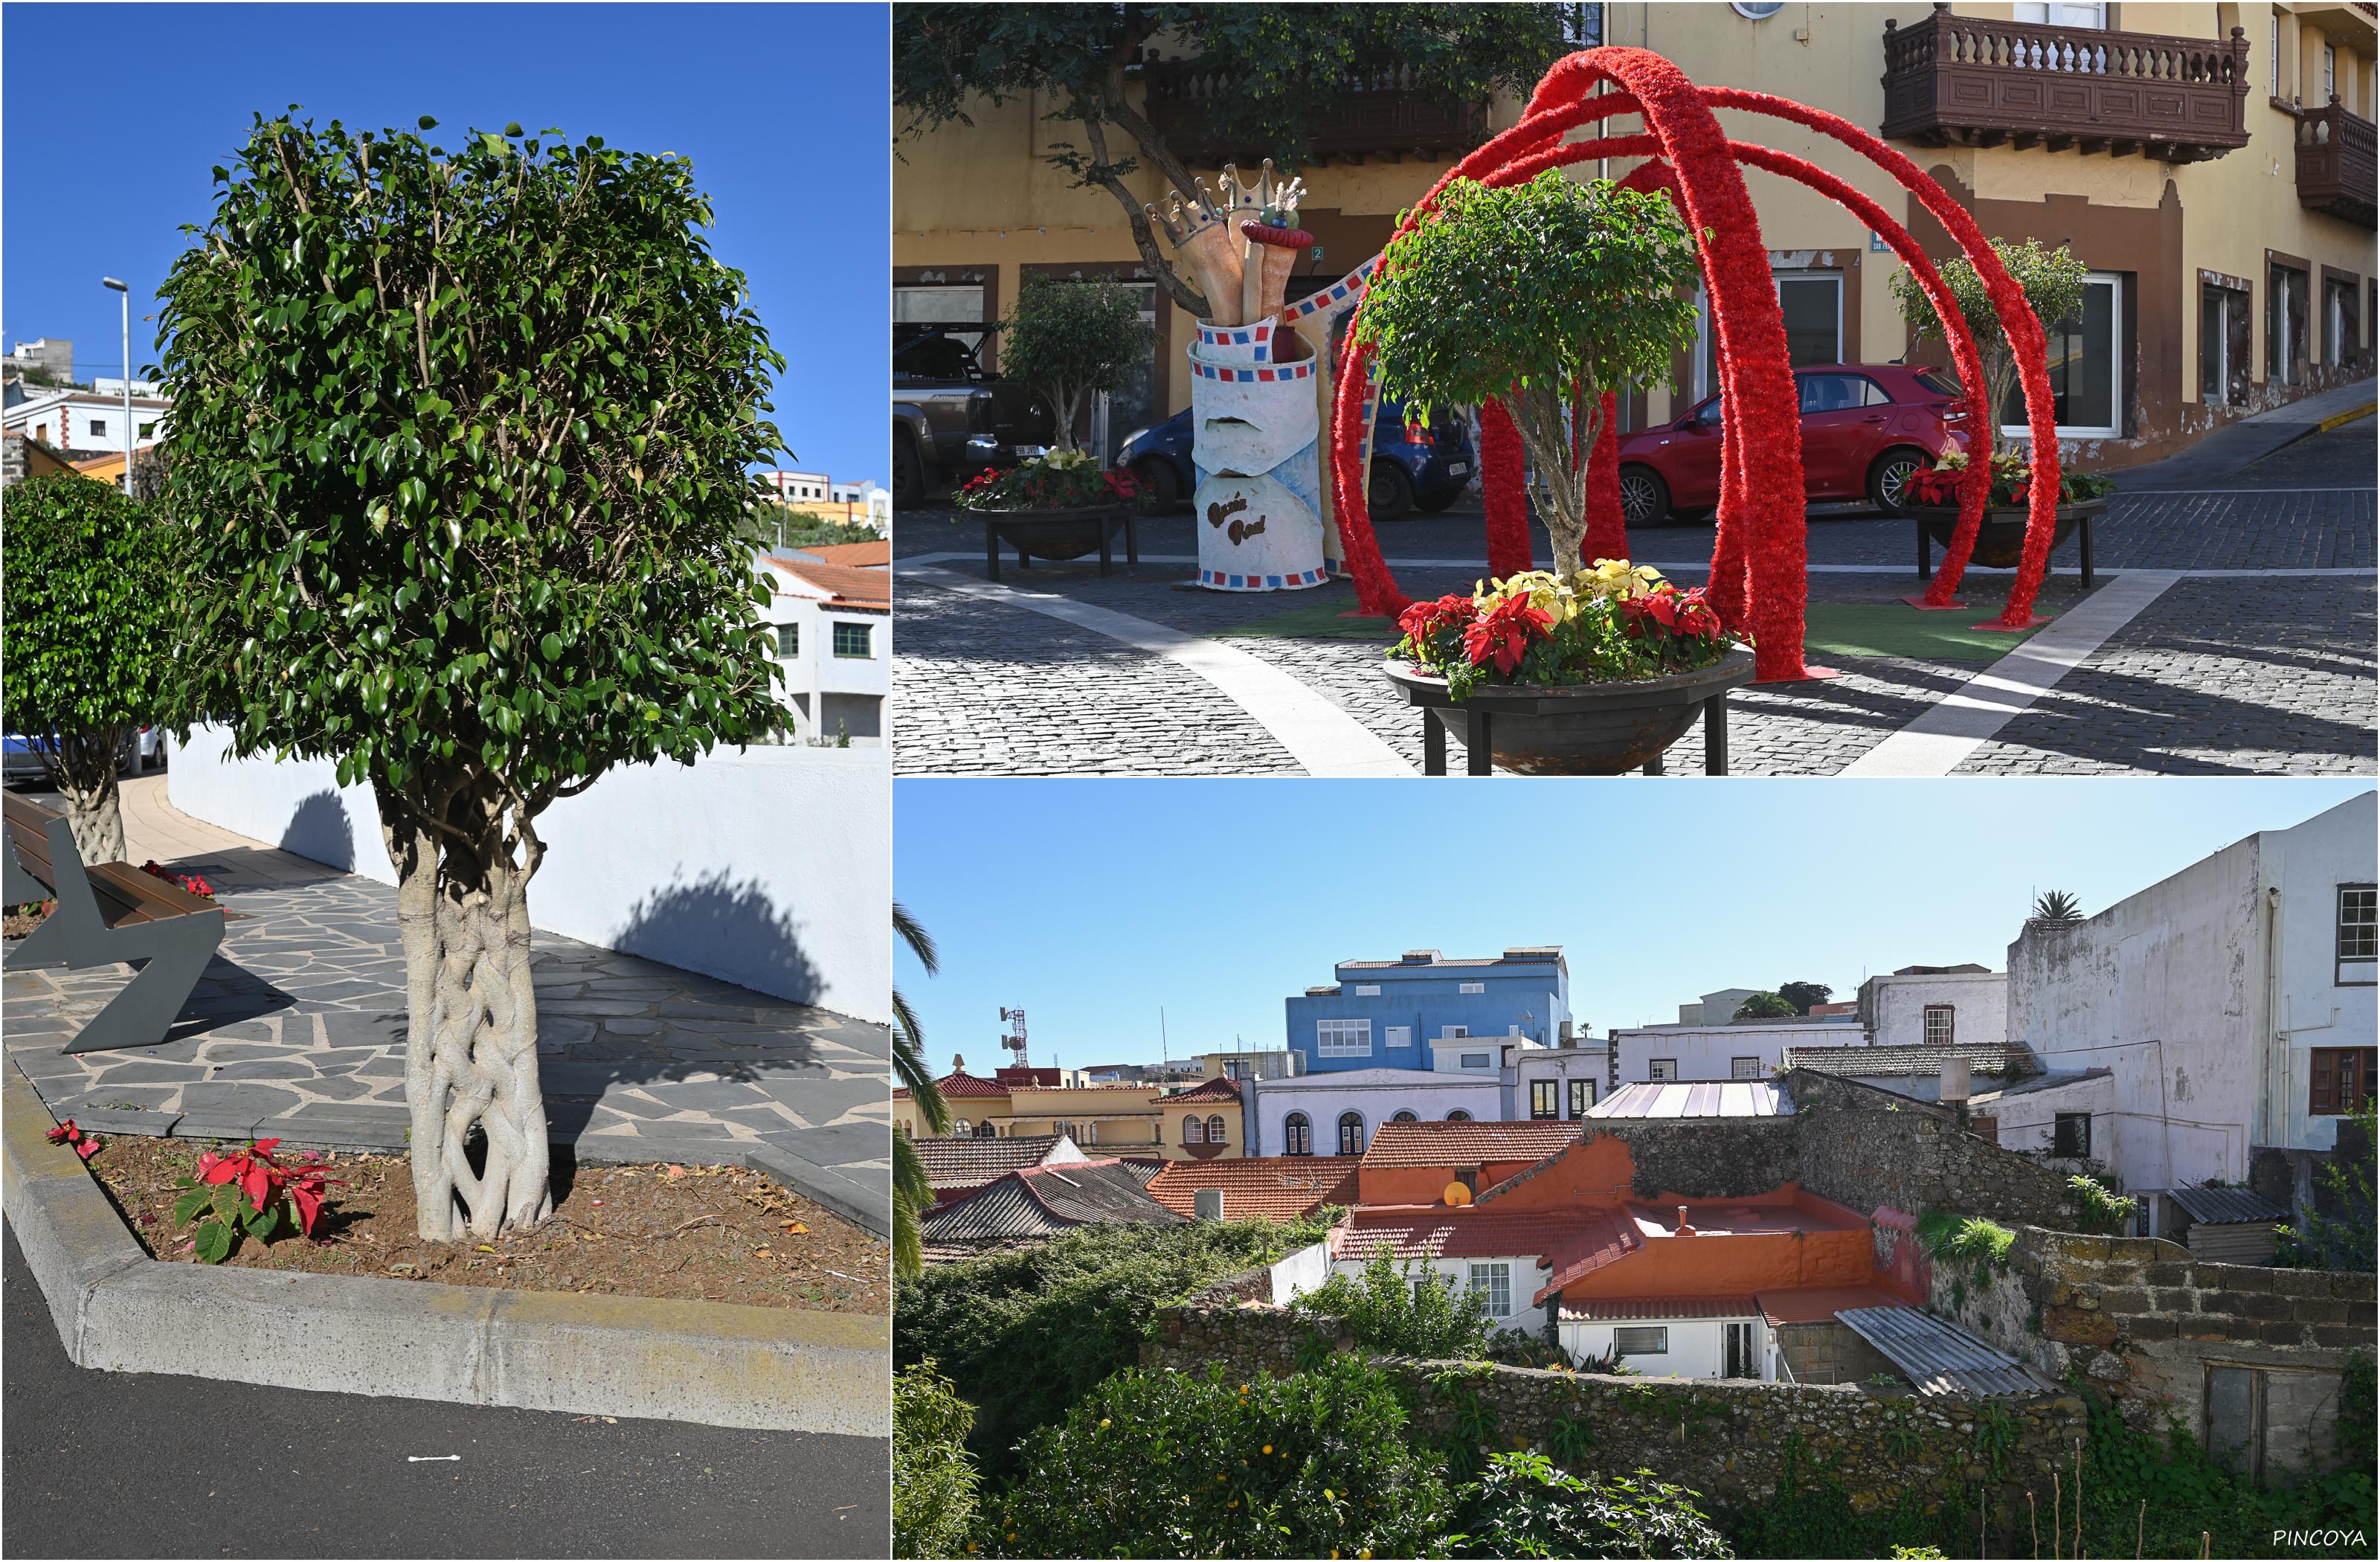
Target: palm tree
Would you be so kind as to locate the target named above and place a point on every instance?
(2057, 908)
(912, 1193)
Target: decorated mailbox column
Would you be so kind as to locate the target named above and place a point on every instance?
(1255, 414)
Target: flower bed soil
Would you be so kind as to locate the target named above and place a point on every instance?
(22, 919)
(686, 1233)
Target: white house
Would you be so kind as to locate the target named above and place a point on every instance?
(1935, 1006)
(1748, 1049)
(1558, 1084)
(834, 625)
(85, 422)
(794, 488)
(2218, 1024)
(1335, 1113)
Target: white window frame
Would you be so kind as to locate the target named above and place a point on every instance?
(1949, 1015)
(2116, 370)
(1332, 1038)
(1704, 338)
(1661, 1071)
(1194, 1129)
(1660, 1333)
(2349, 972)
(1396, 1036)
(1367, 989)
(1467, 988)
(1455, 1033)
(1477, 1060)
(1744, 1068)
(1493, 1283)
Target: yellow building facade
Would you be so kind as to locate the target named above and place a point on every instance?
(1100, 1119)
(2221, 201)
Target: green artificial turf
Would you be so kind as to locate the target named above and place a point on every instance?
(1895, 628)
(1319, 619)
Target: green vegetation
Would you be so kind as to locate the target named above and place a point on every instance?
(913, 1195)
(1404, 1309)
(2342, 1240)
(2052, 281)
(773, 524)
(2057, 908)
(1068, 339)
(1804, 996)
(1024, 1336)
(1524, 1506)
(2098, 1209)
(933, 1474)
(1970, 1238)
(1165, 1464)
(1766, 1005)
(93, 616)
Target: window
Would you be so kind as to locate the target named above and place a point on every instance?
(1342, 1038)
(1740, 1362)
(2072, 1134)
(2223, 347)
(2338, 322)
(1545, 1099)
(2085, 352)
(1582, 1096)
(1744, 1068)
(1840, 393)
(1493, 1282)
(789, 641)
(1351, 1133)
(1941, 1024)
(1234, 1068)
(2272, 51)
(1215, 1134)
(1455, 1034)
(2359, 941)
(1662, 1069)
(1458, 1116)
(1475, 1059)
(986, 1130)
(1367, 989)
(2329, 74)
(1471, 986)
(99, 425)
(2284, 325)
(1193, 1131)
(2341, 1081)
(1405, 1116)
(1812, 303)
(1297, 1135)
(854, 639)
(1652, 1341)
(1398, 1035)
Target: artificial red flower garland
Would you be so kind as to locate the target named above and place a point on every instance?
(1500, 480)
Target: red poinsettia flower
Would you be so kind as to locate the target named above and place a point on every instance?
(1504, 632)
(1697, 618)
(67, 1133)
(1423, 620)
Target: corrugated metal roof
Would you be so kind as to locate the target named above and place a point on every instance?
(1940, 1358)
(1708, 1098)
(1653, 1309)
(2224, 1207)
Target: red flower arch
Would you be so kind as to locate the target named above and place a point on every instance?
(1759, 555)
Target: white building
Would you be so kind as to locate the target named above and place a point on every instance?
(1748, 1049)
(834, 625)
(795, 488)
(2229, 1010)
(1935, 1006)
(1557, 1084)
(1334, 1113)
(81, 423)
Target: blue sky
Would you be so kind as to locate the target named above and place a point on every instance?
(114, 117)
(1093, 904)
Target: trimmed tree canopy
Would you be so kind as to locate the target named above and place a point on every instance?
(1066, 339)
(92, 616)
(2053, 284)
(464, 433)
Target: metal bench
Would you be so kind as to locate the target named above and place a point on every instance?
(109, 914)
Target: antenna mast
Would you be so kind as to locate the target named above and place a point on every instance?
(1014, 1039)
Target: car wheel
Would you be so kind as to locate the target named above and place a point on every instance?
(908, 469)
(1644, 497)
(1432, 504)
(1392, 493)
(1888, 480)
(1164, 484)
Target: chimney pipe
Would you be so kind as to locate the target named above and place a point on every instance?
(1956, 1079)
(1683, 1228)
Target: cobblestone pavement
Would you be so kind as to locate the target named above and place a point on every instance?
(298, 1029)
(2221, 675)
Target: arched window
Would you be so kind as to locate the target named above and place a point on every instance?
(1297, 1135)
(1458, 1116)
(1193, 1131)
(1351, 1133)
(1405, 1117)
(986, 1130)
(1214, 1130)
(961, 1129)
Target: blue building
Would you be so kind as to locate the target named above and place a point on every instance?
(1403, 1013)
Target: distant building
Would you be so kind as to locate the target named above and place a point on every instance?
(49, 360)
(1139, 1121)
(79, 423)
(1204, 1123)
(1915, 1007)
(1035, 1203)
(1336, 1112)
(955, 1168)
(1735, 1049)
(843, 504)
(1402, 1013)
(834, 628)
(1276, 1187)
(1935, 1006)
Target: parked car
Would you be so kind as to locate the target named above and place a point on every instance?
(950, 419)
(1865, 427)
(1413, 467)
(20, 762)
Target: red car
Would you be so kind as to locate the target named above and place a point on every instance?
(1864, 428)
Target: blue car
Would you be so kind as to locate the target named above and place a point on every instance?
(1413, 468)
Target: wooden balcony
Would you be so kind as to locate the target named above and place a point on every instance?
(1977, 81)
(1378, 116)
(2336, 164)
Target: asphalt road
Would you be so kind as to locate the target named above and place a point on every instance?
(112, 1464)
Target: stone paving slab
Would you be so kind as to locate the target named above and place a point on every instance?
(297, 1030)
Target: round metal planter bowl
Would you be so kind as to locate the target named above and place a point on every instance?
(1053, 534)
(2000, 540)
(1581, 728)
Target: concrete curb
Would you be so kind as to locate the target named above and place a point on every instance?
(714, 1363)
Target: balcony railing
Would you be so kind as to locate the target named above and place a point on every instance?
(1977, 81)
(2336, 164)
(1376, 116)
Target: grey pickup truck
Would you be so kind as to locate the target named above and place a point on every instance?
(950, 419)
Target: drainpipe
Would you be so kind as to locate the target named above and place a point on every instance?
(2275, 1044)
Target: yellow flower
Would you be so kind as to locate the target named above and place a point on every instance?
(1103, 1421)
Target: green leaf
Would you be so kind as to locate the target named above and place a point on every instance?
(212, 1243)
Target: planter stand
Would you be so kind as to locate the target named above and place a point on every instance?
(1629, 723)
(1059, 534)
(2083, 513)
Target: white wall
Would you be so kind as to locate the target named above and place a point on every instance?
(1697, 1347)
(2028, 1120)
(1303, 1271)
(1980, 998)
(2307, 864)
(770, 868)
(1560, 1065)
(1708, 1052)
(1379, 1093)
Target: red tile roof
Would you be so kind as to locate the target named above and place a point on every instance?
(1465, 1144)
(1444, 1232)
(961, 1087)
(1622, 1308)
(1273, 1187)
(1604, 1237)
(854, 556)
(1217, 1089)
(845, 586)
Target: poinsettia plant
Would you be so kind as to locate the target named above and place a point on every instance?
(80, 1142)
(2012, 472)
(1611, 623)
(250, 1193)
(1062, 480)
(190, 881)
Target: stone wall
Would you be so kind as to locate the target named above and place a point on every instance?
(1867, 1148)
(1731, 1441)
(1830, 1352)
(1717, 1158)
(2143, 1323)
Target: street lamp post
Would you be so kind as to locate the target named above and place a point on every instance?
(126, 294)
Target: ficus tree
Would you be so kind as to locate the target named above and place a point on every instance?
(90, 636)
(2053, 284)
(1285, 62)
(466, 433)
(1541, 296)
(1067, 339)
(1804, 995)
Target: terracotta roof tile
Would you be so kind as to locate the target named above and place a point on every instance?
(857, 587)
(1273, 1187)
(1465, 1144)
(1444, 1232)
(1217, 1089)
(853, 556)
